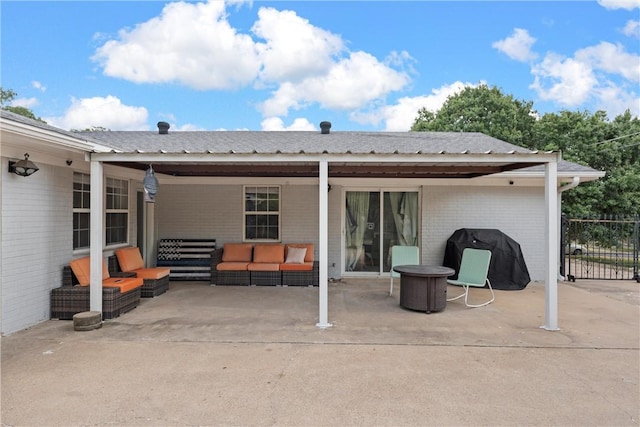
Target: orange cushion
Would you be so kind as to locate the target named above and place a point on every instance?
(308, 257)
(307, 266)
(124, 283)
(237, 252)
(264, 266)
(81, 268)
(129, 259)
(232, 266)
(273, 253)
(153, 272)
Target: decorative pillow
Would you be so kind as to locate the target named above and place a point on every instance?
(296, 255)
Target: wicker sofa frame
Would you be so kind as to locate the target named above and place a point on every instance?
(261, 278)
(71, 298)
(151, 287)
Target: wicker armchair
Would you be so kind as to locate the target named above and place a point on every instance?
(71, 298)
(155, 279)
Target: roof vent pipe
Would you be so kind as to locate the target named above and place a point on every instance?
(163, 128)
(325, 127)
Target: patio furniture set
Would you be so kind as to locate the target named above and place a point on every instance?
(275, 264)
(124, 282)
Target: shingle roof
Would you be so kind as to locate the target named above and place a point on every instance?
(296, 142)
(251, 142)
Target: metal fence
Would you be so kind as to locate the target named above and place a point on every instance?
(602, 249)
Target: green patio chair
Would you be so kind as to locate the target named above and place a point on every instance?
(402, 255)
(474, 270)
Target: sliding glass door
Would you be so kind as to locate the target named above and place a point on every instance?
(374, 221)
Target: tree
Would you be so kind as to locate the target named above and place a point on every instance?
(582, 137)
(482, 109)
(609, 146)
(6, 96)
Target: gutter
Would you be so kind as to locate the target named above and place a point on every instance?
(574, 183)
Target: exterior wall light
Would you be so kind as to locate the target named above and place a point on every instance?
(23, 167)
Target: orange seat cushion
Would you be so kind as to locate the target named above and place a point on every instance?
(264, 266)
(305, 266)
(273, 253)
(81, 268)
(232, 266)
(129, 259)
(237, 252)
(308, 256)
(154, 273)
(125, 284)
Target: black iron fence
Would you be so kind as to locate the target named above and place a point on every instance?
(602, 248)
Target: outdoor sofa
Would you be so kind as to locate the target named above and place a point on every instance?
(274, 264)
(129, 260)
(120, 293)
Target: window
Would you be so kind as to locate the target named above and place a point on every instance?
(116, 206)
(262, 213)
(81, 205)
(117, 211)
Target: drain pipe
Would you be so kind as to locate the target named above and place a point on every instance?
(573, 184)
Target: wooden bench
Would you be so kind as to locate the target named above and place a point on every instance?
(188, 259)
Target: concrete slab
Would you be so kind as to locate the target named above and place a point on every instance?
(201, 355)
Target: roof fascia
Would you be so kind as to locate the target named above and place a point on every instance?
(459, 158)
(44, 135)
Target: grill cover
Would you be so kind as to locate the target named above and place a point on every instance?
(507, 271)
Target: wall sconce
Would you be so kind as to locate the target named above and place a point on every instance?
(150, 184)
(23, 167)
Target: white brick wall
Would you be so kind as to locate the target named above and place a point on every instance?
(215, 211)
(517, 211)
(36, 242)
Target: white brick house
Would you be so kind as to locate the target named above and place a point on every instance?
(458, 180)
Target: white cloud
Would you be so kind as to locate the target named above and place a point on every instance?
(294, 48)
(37, 85)
(517, 46)
(190, 43)
(563, 80)
(107, 112)
(25, 102)
(604, 75)
(351, 83)
(612, 59)
(619, 4)
(275, 123)
(400, 116)
(303, 64)
(616, 100)
(632, 29)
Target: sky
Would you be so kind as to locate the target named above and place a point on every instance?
(288, 65)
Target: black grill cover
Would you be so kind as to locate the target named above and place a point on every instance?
(507, 270)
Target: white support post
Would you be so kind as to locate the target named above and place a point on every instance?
(150, 234)
(96, 235)
(323, 246)
(552, 241)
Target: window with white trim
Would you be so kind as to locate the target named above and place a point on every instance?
(117, 211)
(262, 213)
(81, 214)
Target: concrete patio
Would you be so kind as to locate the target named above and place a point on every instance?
(201, 355)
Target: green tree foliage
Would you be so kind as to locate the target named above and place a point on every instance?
(582, 137)
(482, 109)
(6, 96)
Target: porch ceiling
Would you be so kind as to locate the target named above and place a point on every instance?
(336, 170)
